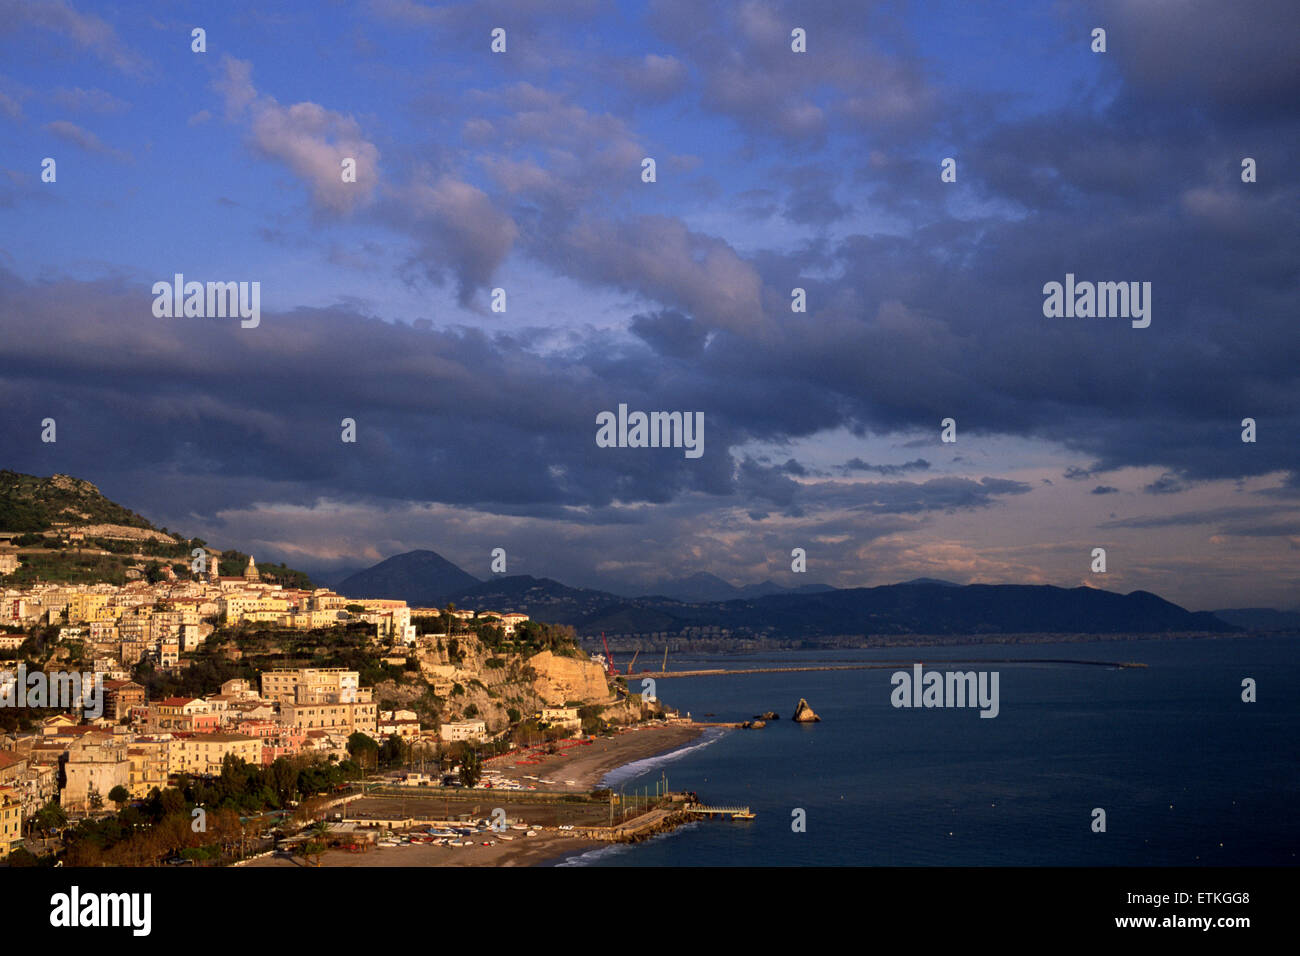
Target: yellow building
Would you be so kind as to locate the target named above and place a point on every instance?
(150, 764)
(265, 610)
(11, 821)
(361, 715)
(319, 684)
(203, 753)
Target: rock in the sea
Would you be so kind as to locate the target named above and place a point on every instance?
(768, 715)
(804, 714)
(758, 724)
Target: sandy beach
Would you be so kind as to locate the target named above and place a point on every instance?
(577, 768)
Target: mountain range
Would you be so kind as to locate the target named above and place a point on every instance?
(921, 606)
(700, 603)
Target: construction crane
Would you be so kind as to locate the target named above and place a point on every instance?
(633, 664)
(610, 669)
(664, 669)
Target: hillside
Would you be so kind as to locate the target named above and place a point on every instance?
(1260, 618)
(703, 586)
(33, 504)
(67, 531)
(888, 610)
(421, 578)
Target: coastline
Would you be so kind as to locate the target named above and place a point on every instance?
(580, 769)
(580, 772)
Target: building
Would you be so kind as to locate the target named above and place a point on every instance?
(11, 822)
(359, 715)
(180, 715)
(251, 574)
(402, 723)
(95, 764)
(315, 684)
(150, 762)
(120, 696)
(463, 730)
(263, 609)
(202, 754)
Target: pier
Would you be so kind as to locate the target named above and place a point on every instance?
(733, 812)
(878, 665)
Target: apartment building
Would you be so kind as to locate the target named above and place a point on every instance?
(455, 730)
(357, 715)
(316, 684)
(11, 822)
(202, 754)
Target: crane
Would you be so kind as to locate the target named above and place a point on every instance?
(610, 669)
(633, 664)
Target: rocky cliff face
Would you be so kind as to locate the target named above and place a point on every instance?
(478, 682)
(561, 679)
(804, 714)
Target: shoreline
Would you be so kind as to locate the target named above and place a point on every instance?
(580, 769)
(579, 773)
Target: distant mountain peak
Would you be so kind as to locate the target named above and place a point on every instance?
(422, 578)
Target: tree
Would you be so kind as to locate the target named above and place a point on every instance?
(393, 753)
(313, 850)
(119, 795)
(50, 817)
(471, 768)
(96, 801)
(363, 749)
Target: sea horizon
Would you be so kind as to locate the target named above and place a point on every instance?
(1019, 790)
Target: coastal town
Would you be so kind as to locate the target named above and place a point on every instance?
(500, 699)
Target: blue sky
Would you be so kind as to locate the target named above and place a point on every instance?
(775, 169)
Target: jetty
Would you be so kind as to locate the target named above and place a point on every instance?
(881, 665)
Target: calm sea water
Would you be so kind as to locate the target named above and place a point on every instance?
(1187, 773)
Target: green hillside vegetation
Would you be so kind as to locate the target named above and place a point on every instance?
(30, 503)
(37, 508)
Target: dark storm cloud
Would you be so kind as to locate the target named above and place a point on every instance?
(937, 494)
(669, 333)
(857, 464)
(1234, 58)
(940, 316)
(1193, 518)
(1165, 485)
(1105, 490)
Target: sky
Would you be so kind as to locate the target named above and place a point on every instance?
(775, 169)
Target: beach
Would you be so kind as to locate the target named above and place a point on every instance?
(578, 769)
(575, 769)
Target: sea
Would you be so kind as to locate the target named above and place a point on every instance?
(1186, 772)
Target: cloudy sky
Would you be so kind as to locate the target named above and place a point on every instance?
(774, 170)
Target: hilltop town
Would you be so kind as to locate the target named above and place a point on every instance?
(190, 674)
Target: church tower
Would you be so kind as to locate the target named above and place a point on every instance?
(251, 574)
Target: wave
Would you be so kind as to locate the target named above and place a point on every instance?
(637, 767)
(601, 854)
